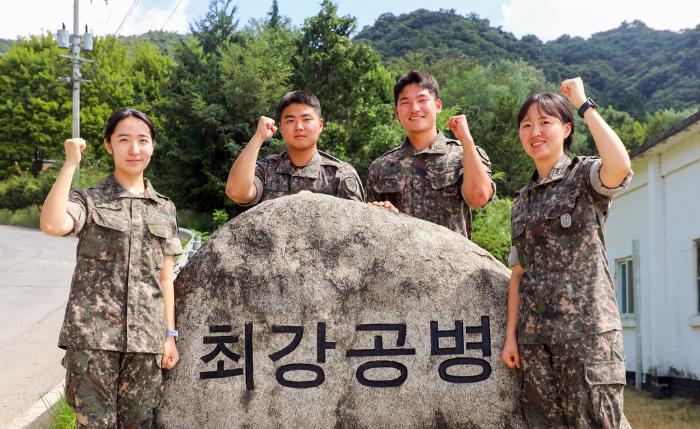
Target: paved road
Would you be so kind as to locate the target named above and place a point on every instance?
(35, 274)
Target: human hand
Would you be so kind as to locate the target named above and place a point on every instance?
(510, 355)
(266, 128)
(572, 89)
(459, 127)
(385, 205)
(170, 353)
(74, 148)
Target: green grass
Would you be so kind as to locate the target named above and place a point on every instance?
(645, 412)
(61, 415)
(27, 217)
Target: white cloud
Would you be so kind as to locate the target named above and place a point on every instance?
(549, 19)
(38, 17)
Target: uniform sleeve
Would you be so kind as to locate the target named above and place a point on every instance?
(597, 185)
(77, 210)
(487, 162)
(371, 181)
(258, 182)
(172, 245)
(350, 186)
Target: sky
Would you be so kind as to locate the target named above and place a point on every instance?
(547, 19)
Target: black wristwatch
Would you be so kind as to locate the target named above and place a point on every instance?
(586, 104)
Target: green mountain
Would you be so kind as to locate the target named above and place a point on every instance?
(5, 45)
(633, 67)
(166, 41)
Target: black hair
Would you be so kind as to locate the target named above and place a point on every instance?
(298, 97)
(553, 105)
(122, 114)
(423, 80)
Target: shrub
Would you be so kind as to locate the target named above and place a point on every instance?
(491, 228)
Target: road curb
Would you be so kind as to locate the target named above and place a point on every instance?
(38, 409)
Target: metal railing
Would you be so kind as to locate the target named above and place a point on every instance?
(194, 242)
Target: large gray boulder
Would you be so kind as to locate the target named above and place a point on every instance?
(310, 311)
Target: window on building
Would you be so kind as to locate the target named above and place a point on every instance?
(624, 273)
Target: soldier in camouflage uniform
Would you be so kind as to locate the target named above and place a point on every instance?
(563, 324)
(302, 167)
(119, 325)
(430, 176)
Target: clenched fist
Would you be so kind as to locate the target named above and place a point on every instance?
(266, 128)
(74, 147)
(572, 89)
(459, 127)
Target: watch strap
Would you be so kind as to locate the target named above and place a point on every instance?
(171, 333)
(586, 105)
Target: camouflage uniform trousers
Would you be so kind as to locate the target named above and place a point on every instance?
(111, 389)
(575, 384)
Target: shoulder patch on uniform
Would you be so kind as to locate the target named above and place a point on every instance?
(350, 184)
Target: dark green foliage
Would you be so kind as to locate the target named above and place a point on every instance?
(352, 85)
(443, 34)
(633, 68)
(492, 228)
(213, 101)
(24, 190)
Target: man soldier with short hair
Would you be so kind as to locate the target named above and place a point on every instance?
(302, 167)
(430, 176)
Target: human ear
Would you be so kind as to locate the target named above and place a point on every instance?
(108, 147)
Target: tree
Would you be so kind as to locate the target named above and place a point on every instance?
(217, 27)
(352, 85)
(214, 100)
(34, 105)
(274, 20)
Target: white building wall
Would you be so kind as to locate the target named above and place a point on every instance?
(682, 213)
(661, 209)
(627, 221)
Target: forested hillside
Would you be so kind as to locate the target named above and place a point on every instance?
(633, 67)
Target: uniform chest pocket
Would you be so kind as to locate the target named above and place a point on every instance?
(277, 183)
(390, 184)
(105, 237)
(443, 178)
(562, 211)
(159, 230)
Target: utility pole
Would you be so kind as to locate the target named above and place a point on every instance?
(76, 78)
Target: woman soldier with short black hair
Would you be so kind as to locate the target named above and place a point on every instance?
(563, 325)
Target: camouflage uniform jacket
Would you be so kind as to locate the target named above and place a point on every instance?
(557, 225)
(426, 184)
(275, 176)
(115, 301)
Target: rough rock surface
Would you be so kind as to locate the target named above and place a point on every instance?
(369, 277)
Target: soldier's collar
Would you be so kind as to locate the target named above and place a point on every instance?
(115, 190)
(438, 146)
(556, 173)
(310, 170)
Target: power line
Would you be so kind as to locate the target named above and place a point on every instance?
(128, 14)
(171, 15)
